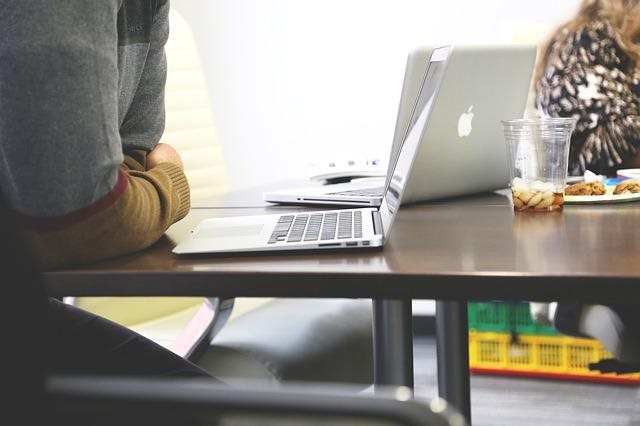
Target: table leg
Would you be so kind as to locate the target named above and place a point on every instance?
(452, 339)
(392, 343)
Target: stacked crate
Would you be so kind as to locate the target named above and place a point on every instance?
(504, 339)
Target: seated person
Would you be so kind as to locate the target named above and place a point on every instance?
(590, 70)
(82, 113)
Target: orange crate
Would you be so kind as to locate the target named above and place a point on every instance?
(559, 357)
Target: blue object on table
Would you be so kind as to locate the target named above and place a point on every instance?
(613, 181)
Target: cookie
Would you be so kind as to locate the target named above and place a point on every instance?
(629, 186)
(585, 188)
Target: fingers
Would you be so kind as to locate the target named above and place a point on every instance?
(164, 153)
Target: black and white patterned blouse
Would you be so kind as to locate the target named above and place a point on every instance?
(588, 76)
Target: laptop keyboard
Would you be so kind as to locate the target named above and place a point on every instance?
(364, 192)
(317, 226)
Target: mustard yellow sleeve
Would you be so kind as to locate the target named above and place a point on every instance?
(133, 220)
(135, 160)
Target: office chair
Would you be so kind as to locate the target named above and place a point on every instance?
(330, 339)
(136, 401)
(36, 396)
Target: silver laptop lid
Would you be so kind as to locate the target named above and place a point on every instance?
(399, 174)
(415, 68)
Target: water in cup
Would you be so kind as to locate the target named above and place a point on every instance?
(535, 196)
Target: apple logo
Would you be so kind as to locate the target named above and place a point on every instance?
(464, 123)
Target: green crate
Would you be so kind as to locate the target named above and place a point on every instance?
(505, 317)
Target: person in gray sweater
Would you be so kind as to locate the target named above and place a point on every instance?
(81, 116)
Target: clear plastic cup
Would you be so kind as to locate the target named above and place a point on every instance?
(538, 153)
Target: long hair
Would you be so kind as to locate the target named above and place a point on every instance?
(622, 15)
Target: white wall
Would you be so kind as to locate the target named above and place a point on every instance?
(293, 79)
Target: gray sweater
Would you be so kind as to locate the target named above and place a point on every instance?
(81, 82)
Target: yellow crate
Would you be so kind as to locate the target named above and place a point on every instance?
(540, 355)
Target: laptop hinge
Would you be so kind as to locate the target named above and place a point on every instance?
(377, 222)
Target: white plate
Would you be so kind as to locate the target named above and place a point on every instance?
(601, 199)
(630, 173)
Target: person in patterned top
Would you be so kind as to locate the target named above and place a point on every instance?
(590, 70)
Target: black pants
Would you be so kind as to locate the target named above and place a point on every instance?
(83, 343)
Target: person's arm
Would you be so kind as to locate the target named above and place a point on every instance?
(62, 164)
(143, 125)
(586, 77)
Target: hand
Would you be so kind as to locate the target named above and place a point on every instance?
(163, 153)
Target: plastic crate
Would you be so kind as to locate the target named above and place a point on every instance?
(559, 357)
(505, 317)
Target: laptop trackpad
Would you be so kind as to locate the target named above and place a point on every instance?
(230, 231)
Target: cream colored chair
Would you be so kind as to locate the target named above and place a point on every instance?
(190, 127)
(276, 339)
(178, 323)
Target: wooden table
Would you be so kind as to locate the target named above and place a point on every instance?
(453, 251)
(459, 249)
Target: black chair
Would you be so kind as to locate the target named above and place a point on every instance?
(36, 396)
(141, 401)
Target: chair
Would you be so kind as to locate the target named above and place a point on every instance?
(36, 396)
(108, 401)
(332, 338)
(180, 324)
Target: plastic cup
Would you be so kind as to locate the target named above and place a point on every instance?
(538, 153)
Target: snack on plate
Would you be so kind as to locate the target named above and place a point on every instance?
(585, 188)
(629, 186)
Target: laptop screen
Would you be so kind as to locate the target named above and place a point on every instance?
(411, 141)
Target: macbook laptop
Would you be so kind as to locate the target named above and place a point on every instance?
(463, 150)
(331, 229)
